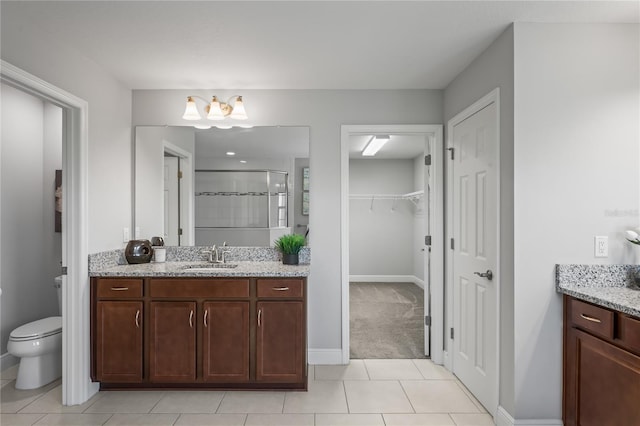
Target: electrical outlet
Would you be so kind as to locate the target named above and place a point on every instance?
(601, 246)
(126, 235)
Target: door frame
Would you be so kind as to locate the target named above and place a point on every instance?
(187, 212)
(491, 97)
(437, 225)
(76, 381)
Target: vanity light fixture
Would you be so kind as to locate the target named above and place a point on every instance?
(216, 110)
(375, 143)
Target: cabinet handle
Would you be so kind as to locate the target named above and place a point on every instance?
(138, 318)
(206, 313)
(259, 317)
(281, 288)
(191, 319)
(589, 318)
(119, 288)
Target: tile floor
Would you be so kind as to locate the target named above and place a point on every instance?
(366, 392)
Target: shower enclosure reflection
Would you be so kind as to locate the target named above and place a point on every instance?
(204, 187)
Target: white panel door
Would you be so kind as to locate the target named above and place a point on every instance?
(171, 202)
(475, 221)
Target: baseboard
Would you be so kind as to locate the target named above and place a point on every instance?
(324, 356)
(7, 360)
(503, 418)
(386, 279)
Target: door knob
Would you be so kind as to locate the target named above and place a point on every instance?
(488, 275)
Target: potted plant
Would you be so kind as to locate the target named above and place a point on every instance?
(290, 245)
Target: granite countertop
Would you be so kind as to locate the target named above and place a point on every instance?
(251, 261)
(610, 286)
(181, 269)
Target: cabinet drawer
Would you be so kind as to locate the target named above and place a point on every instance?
(593, 318)
(280, 288)
(630, 332)
(119, 289)
(194, 288)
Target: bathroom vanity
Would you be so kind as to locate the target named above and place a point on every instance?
(171, 326)
(601, 383)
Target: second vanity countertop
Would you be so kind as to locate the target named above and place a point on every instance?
(182, 269)
(610, 286)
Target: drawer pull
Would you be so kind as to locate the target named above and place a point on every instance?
(138, 318)
(281, 288)
(206, 314)
(589, 318)
(119, 288)
(191, 319)
(259, 317)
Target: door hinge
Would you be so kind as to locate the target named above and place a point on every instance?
(63, 270)
(427, 160)
(451, 150)
(427, 320)
(179, 231)
(179, 174)
(427, 240)
(451, 333)
(452, 245)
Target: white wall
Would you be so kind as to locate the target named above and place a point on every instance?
(380, 239)
(110, 135)
(576, 160)
(324, 111)
(31, 152)
(570, 161)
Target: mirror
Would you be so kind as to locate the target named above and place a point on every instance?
(245, 186)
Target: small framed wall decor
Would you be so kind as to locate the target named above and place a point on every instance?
(305, 178)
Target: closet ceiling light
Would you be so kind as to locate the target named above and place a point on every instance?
(374, 145)
(216, 110)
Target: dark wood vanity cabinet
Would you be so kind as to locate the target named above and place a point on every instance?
(200, 332)
(117, 332)
(225, 342)
(172, 342)
(601, 366)
(280, 347)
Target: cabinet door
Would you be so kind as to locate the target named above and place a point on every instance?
(119, 342)
(280, 348)
(606, 382)
(172, 342)
(226, 342)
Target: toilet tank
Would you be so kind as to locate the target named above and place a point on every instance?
(57, 283)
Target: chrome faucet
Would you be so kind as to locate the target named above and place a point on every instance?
(215, 255)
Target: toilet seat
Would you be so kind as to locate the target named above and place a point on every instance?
(37, 329)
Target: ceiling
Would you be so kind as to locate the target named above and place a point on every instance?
(290, 45)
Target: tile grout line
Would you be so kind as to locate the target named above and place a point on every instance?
(346, 398)
(407, 396)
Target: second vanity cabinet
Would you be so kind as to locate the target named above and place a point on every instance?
(199, 332)
(601, 365)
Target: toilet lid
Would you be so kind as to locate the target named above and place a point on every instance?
(40, 328)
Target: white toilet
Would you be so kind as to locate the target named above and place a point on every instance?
(38, 344)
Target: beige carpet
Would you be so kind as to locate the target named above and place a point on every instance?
(386, 320)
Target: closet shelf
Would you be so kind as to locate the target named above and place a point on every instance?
(236, 194)
(414, 197)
